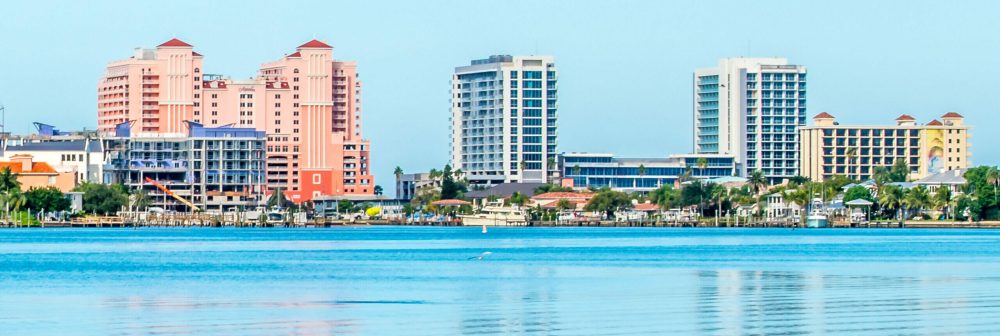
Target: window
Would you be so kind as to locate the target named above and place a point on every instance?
(317, 179)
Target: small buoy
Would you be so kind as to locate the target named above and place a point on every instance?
(484, 228)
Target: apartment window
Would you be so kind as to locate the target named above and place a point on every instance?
(295, 70)
(295, 88)
(277, 104)
(295, 96)
(277, 96)
(214, 96)
(296, 79)
(197, 70)
(214, 104)
(317, 179)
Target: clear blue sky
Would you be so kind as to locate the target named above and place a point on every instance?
(625, 66)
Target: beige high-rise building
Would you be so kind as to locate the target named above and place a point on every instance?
(829, 148)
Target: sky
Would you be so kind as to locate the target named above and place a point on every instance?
(625, 67)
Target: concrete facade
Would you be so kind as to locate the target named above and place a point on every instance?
(751, 108)
(829, 148)
(307, 102)
(503, 119)
(600, 170)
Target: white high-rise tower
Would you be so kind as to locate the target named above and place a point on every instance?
(751, 108)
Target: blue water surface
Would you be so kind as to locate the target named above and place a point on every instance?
(547, 281)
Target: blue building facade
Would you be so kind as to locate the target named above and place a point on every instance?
(600, 170)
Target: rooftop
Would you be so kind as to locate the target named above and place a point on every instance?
(36, 168)
(55, 146)
(950, 115)
(823, 115)
(315, 44)
(174, 43)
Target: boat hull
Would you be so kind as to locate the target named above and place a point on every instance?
(817, 222)
(487, 220)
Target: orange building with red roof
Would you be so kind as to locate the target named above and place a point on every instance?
(33, 174)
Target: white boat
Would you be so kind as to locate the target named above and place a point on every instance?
(495, 214)
(817, 219)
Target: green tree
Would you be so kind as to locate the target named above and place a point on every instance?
(642, 170)
(549, 187)
(852, 156)
(103, 199)
(518, 199)
(378, 190)
(798, 180)
(449, 188)
(665, 196)
(565, 204)
(891, 197)
(8, 180)
(398, 172)
(702, 163)
(609, 201)
(577, 169)
(917, 198)
(346, 206)
(941, 200)
(801, 197)
(409, 209)
(48, 199)
(858, 192)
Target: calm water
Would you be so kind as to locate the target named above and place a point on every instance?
(562, 281)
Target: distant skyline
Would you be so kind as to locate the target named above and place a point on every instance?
(625, 67)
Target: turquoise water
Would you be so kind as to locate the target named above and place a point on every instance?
(560, 281)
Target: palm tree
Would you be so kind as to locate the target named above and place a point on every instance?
(758, 183)
(942, 200)
(800, 197)
(577, 170)
(8, 180)
(13, 198)
(917, 198)
(993, 177)
(702, 163)
(891, 197)
(852, 155)
(398, 172)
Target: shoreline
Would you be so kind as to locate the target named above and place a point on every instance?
(592, 224)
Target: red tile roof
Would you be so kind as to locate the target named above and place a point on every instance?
(952, 115)
(36, 168)
(934, 122)
(315, 44)
(195, 54)
(295, 54)
(823, 115)
(563, 195)
(555, 204)
(174, 43)
(646, 207)
(905, 117)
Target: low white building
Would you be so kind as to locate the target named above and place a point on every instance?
(84, 157)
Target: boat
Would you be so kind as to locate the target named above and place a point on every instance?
(817, 219)
(496, 214)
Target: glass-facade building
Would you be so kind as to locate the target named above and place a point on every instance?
(503, 121)
(751, 108)
(600, 170)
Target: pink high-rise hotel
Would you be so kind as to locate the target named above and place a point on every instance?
(308, 104)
